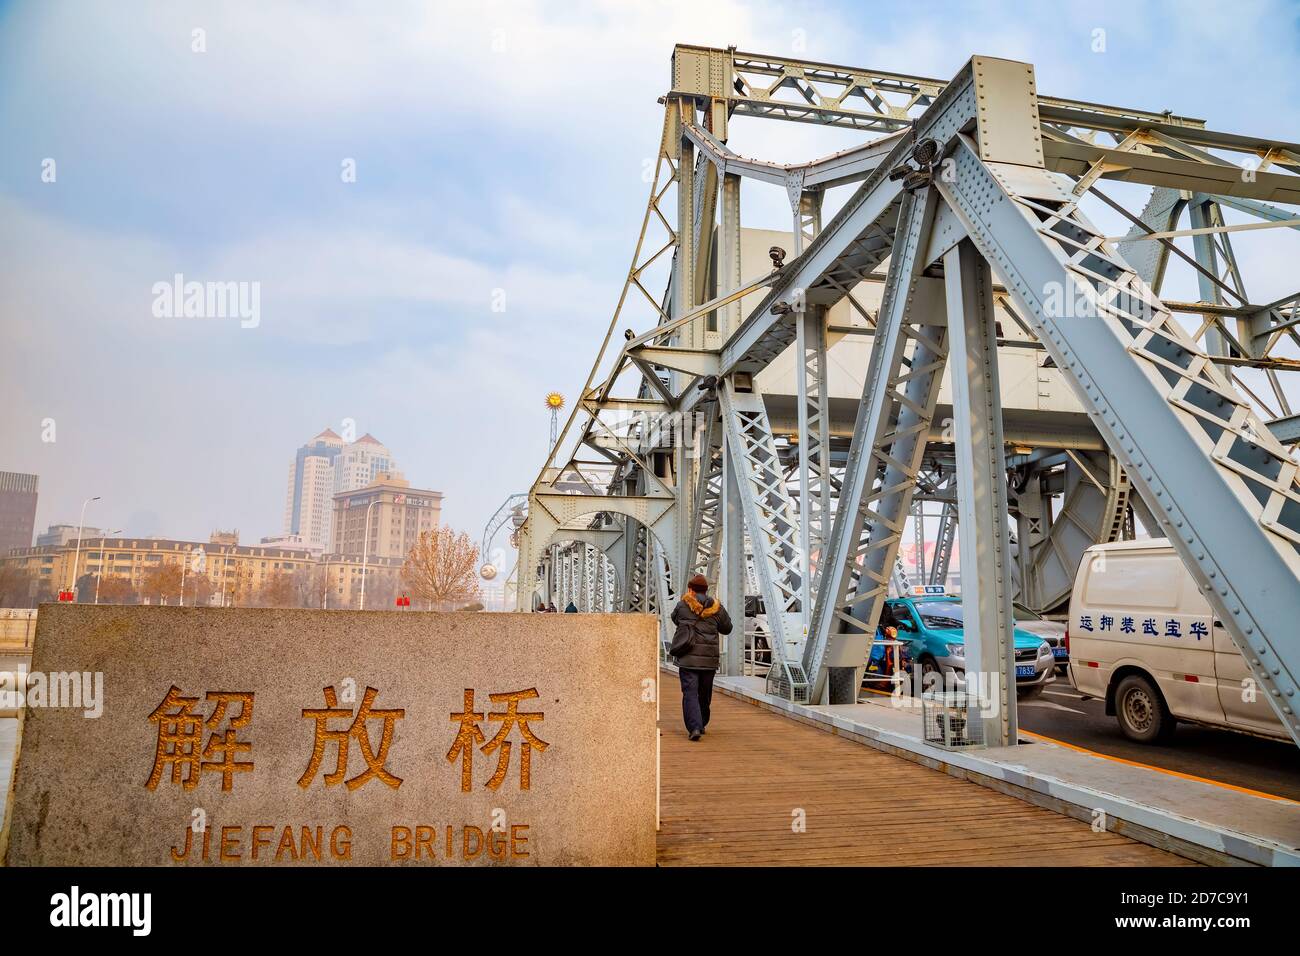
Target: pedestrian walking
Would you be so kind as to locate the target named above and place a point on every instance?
(700, 618)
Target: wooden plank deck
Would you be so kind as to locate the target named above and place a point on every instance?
(730, 798)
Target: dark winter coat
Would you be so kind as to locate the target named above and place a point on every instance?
(699, 621)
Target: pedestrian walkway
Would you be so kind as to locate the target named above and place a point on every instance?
(735, 797)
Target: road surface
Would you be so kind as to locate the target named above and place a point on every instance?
(1238, 760)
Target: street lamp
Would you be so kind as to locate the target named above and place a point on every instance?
(103, 562)
(554, 402)
(76, 562)
(225, 567)
(200, 565)
(365, 553)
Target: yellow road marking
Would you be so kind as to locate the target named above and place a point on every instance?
(1135, 763)
(1147, 766)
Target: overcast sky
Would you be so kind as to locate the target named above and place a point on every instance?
(496, 147)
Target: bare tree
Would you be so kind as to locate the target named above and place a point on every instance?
(382, 585)
(309, 586)
(117, 589)
(15, 587)
(441, 569)
(162, 584)
(277, 591)
(199, 590)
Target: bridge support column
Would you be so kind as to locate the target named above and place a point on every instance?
(984, 544)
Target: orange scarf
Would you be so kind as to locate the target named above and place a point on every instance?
(698, 609)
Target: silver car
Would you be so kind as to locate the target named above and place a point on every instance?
(1053, 632)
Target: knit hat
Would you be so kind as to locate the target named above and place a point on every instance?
(699, 584)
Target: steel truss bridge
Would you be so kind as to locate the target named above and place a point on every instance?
(709, 436)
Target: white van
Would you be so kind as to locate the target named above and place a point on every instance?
(1143, 638)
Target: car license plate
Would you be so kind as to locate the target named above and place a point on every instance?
(1025, 670)
(1060, 652)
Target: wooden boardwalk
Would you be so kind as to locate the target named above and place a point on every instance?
(730, 799)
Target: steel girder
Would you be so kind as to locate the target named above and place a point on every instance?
(1286, 430)
(847, 249)
(898, 400)
(1151, 157)
(1216, 268)
(1259, 329)
(918, 538)
(664, 594)
(770, 515)
(846, 166)
(901, 580)
(1094, 506)
(551, 513)
(771, 519)
(1159, 215)
(814, 446)
(812, 398)
(1221, 274)
(987, 618)
(845, 252)
(636, 600)
(943, 544)
(706, 522)
(732, 590)
(1222, 488)
(803, 91)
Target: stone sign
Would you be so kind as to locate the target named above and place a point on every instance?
(228, 737)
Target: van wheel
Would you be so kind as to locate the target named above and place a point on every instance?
(1141, 711)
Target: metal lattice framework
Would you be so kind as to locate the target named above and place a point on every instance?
(966, 216)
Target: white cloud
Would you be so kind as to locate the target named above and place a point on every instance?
(522, 62)
(379, 307)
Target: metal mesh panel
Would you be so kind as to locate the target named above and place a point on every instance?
(951, 720)
(787, 680)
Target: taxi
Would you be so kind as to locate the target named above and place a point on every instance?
(929, 619)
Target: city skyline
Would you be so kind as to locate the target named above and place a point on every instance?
(372, 461)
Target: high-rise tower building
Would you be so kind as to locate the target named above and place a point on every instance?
(361, 462)
(324, 467)
(17, 510)
(310, 500)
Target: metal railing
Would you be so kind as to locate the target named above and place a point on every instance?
(17, 628)
(884, 676)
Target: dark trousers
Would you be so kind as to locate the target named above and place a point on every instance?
(697, 694)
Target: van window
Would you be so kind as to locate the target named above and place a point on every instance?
(1134, 579)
